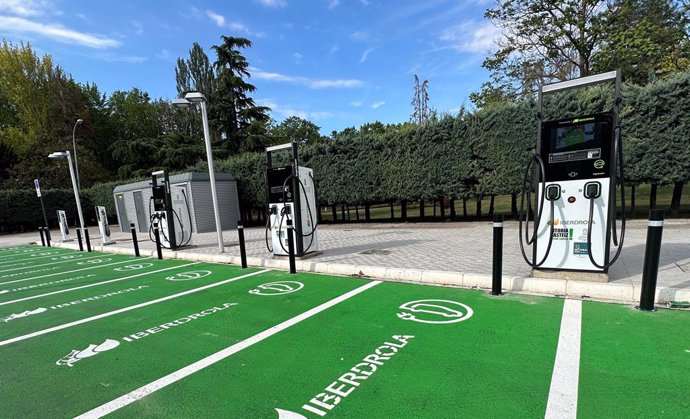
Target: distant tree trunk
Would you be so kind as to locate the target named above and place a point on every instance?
(334, 211)
(442, 203)
(421, 209)
(652, 197)
(403, 209)
(342, 211)
(464, 207)
(367, 212)
(357, 212)
(319, 217)
(452, 208)
(392, 212)
(491, 206)
(433, 200)
(513, 204)
(675, 199)
(632, 199)
(348, 213)
(479, 207)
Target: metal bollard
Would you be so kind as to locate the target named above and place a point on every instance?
(47, 236)
(498, 255)
(81, 246)
(157, 235)
(291, 247)
(134, 239)
(650, 271)
(43, 241)
(243, 251)
(87, 240)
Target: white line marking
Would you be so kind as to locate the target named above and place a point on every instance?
(33, 297)
(75, 270)
(125, 309)
(48, 264)
(30, 254)
(190, 369)
(566, 370)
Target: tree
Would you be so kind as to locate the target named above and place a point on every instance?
(420, 102)
(234, 109)
(543, 41)
(644, 38)
(295, 128)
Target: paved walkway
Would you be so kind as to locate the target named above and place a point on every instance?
(442, 253)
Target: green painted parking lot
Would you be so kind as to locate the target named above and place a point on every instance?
(96, 334)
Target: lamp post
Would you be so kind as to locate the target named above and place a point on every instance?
(75, 186)
(190, 99)
(74, 145)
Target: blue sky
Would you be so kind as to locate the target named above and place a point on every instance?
(338, 63)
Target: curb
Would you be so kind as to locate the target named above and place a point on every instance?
(564, 288)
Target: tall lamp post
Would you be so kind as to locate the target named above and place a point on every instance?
(68, 155)
(190, 99)
(74, 146)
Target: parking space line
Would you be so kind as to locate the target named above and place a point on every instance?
(125, 309)
(566, 370)
(33, 297)
(75, 270)
(29, 255)
(2, 270)
(190, 369)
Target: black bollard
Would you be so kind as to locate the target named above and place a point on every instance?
(134, 239)
(243, 251)
(47, 236)
(498, 255)
(291, 247)
(87, 240)
(81, 246)
(650, 270)
(43, 241)
(157, 236)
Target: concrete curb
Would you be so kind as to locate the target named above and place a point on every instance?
(567, 288)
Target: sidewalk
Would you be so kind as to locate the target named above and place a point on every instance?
(455, 254)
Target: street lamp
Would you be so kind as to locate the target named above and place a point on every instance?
(74, 145)
(190, 99)
(68, 155)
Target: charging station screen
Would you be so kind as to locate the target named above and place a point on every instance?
(575, 135)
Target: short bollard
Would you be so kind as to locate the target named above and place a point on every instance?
(43, 241)
(291, 247)
(87, 240)
(47, 236)
(157, 235)
(498, 255)
(81, 246)
(243, 251)
(134, 239)
(650, 270)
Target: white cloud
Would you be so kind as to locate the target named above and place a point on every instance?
(306, 81)
(333, 4)
(165, 55)
(297, 56)
(366, 54)
(377, 105)
(283, 112)
(25, 8)
(333, 50)
(472, 36)
(11, 24)
(356, 103)
(138, 27)
(220, 21)
(115, 58)
(272, 3)
(360, 36)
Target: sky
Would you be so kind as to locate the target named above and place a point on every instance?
(337, 63)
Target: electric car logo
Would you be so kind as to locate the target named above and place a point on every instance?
(188, 276)
(277, 288)
(23, 314)
(573, 174)
(75, 356)
(435, 311)
(63, 257)
(134, 267)
(599, 164)
(94, 261)
(42, 254)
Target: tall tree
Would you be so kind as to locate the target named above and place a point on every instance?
(234, 108)
(420, 102)
(543, 41)
(295, 128)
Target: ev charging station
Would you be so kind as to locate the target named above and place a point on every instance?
(172, 229)
(291, 196)
(578, 162)
(103, 226)
(64, 226)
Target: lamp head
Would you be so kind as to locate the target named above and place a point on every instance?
(79, 121)
(58, 155)
(195, 97)
(181, 103)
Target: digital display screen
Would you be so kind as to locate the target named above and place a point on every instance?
(574, 135)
